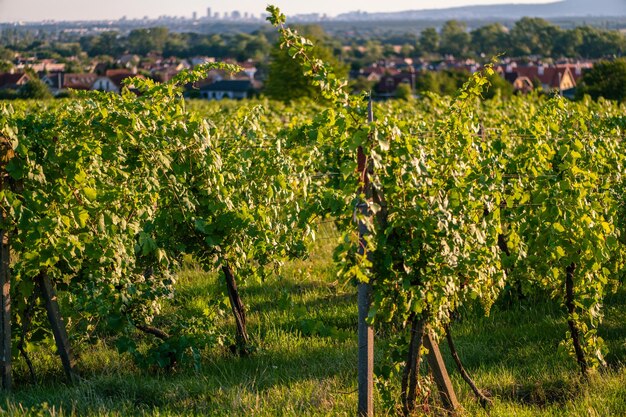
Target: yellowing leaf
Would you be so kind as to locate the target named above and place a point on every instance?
(90, 193)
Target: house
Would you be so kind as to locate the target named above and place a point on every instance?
(233, 89)
(376, 73)
(54, 81)
(249, 69)
(105, 83)
(47, 65)
(577, 69)
(163, 70)
(129, 60)
(10, 81)
(198, 60)
(99, 68)
(525, 78)
(389, 83)
(79, 81)
(164, 74)
(113, 80)
(117, 76)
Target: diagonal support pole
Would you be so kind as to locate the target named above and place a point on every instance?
(440, 373)
(61, 339)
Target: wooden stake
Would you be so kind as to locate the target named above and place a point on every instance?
(58, 327)
(5, 311)
(6, 153)
(366, 332)
(366, 354)
(239, 311)
(442, 379)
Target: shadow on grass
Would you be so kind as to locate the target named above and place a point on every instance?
(188, 392)
(514, 354)
(541, 394)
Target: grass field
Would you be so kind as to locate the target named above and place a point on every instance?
(299, 371)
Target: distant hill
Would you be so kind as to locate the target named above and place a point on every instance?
(565, 8)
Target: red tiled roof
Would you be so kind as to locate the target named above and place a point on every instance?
(79, 81)
(578, 69)
(548, 76)
(118, 71)
(117, 79)
(8, 80)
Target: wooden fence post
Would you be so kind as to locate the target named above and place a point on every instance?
(366, 332)
(6, 153)
(58, 327)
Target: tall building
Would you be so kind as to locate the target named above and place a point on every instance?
(195, 15)
(208, 12)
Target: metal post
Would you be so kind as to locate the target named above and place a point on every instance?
(366, 332)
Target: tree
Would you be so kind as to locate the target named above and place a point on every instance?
(106, 43)
(403, 92)
(5, 66)
(286, 80)
(429, 41)
(498, 85)
(598, 43)
(6, 54)
(407, 50)
(606, 79)
(144, 41)
(177, 45)
(445, 82)
(490, 40)
(361, 84)
(533, 36)
(454, 39)
(35, 89)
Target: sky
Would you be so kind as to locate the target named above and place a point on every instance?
(36, 10)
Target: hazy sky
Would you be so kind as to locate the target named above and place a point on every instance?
(30, 10)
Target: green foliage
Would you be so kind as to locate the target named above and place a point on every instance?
(455, 40)
(498, 86)
(468, 199)
(115, 189)
(35, 89)
(491, 40)
(458, 214)
(533, 36)
(606, 79)
(445, 82)
(404, 92)
(286, 80)
(429, 41)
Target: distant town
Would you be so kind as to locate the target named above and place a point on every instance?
(388, 59)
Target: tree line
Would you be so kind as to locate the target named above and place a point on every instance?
(526, 37)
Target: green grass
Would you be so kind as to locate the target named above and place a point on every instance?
(299, 371)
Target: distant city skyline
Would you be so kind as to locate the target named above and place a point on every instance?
(38, 10)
